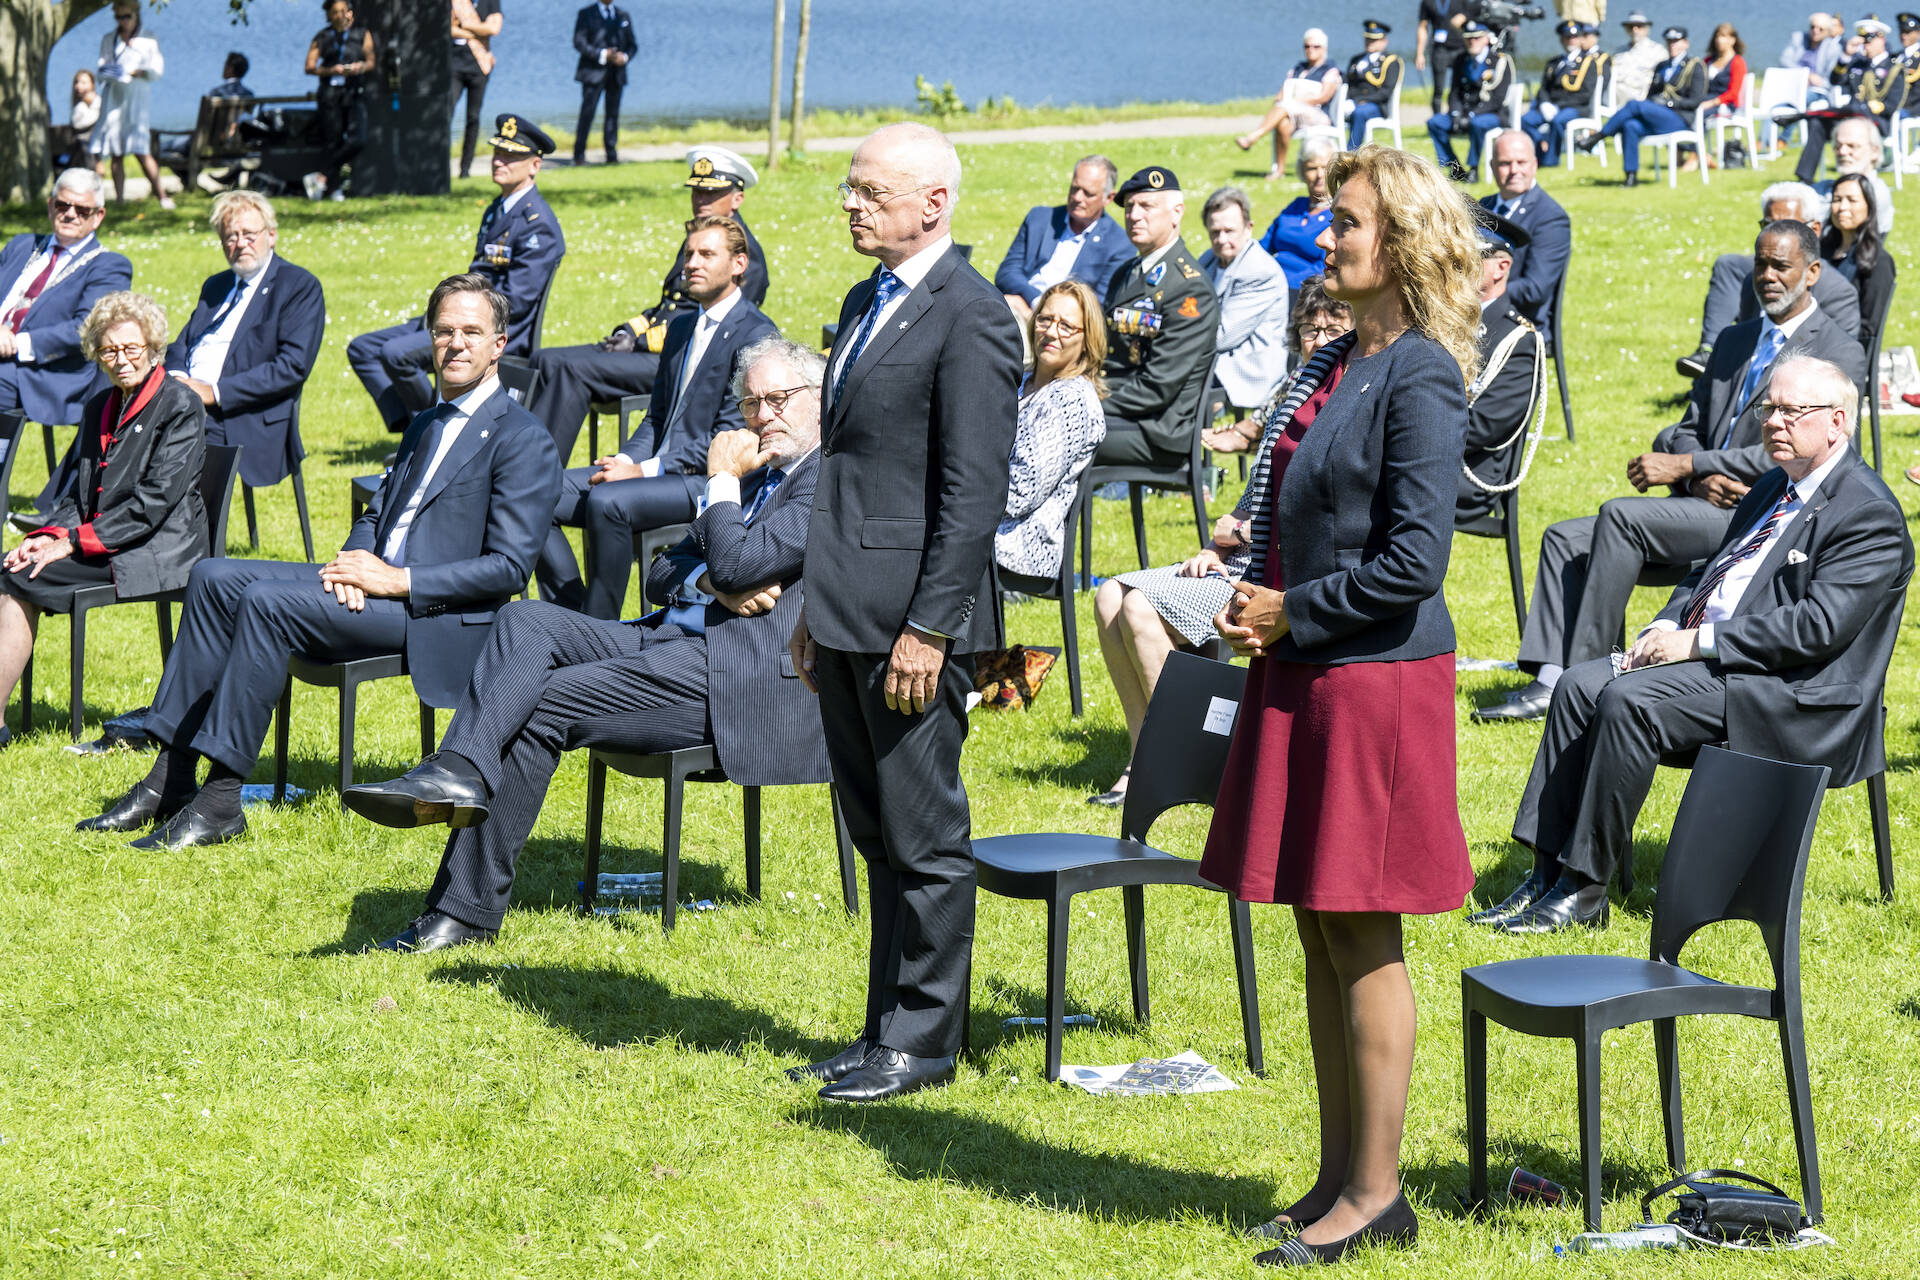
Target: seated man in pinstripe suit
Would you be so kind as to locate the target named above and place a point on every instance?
(710, 666)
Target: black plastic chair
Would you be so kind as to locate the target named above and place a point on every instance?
(1557, 350)
(347, 677)
(1059, 587)
(10, 428)
(1189, 476)
(625, 407)
(1179, 761)
(676, 769)
(517, 378)
(217, 470)
(1738, 852)
(299, 497)
(1877, 334)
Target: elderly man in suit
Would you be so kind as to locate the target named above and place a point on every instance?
(51, 282)
(1776, 644)
(1251, 346)
(603, 36)
(711, 665)
(1539, 264)
(656, 477)
(1589, 566)
(1162, 324)
(251, 341)
(518, 249)
(449, 537)
(913, 476)
(1072, 241)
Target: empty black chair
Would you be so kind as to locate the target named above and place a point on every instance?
(1557, 349)
(1059, 587)
(347, 677)
(1179, 761)
(1738, 852)
(217, 471)
(299, 495)
(517, 379)
(1190, 476)
(676, 769)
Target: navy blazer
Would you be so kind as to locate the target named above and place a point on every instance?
(474, 539)
(680, 426)
(266, 366)
(1365, 511)
(591, 34)
(519, 254)
(1106, 250)
(1538, 266)
(55, 387)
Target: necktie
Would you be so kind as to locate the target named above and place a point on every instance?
(1763, 354)
(226, 308)
(889, 284)
(773, 478)
(429, 447)
(18, 316)
(1506, 209)
(1697, 607)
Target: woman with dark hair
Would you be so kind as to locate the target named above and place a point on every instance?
(1340, 791)
(1853, 246)
(1726, 77)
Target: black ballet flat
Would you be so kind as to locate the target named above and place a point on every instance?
(1279, 1228)
(1396, 1227)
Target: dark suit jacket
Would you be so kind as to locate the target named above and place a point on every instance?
(1744, 454)
(1156, 382)
(1105, 249)
(1501, 409)
(1681, 84)
(1379, 84)
(913, 464)
(146, 514)
(519, 253)
(686, 423)
(474, 538)
(1537, 266)
(267, 365)
(55, 387)
(591, 34)
(766, 725)
(1483, 94)
(1805, 653)
(673, 295)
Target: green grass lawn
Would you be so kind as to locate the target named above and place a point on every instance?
(199, 1076)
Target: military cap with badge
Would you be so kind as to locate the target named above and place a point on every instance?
(1143, 319)
(519, 135)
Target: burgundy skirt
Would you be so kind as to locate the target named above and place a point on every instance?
(1340, 790)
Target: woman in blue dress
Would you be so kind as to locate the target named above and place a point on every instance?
(1290, 238)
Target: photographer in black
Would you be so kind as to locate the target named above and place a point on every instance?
(342, 56)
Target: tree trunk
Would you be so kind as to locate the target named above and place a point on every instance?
(798, 143)
(28, 30)
(773, 96)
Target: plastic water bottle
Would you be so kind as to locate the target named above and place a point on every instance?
(637, 891)
(1645, 1235)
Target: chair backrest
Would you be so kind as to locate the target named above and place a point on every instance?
(217, 471)
(1784, 87)
(1183, 743)
(1877, 330)
(1551, 330)
(630, 408)
(1738, 851)
(518, 377)
(539, 317)
(1745, 105)
(1515, 103)
(1210, 393)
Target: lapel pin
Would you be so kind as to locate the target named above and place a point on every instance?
(483, 435)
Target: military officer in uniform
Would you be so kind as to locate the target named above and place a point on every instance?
(1875, 84)
(1566, 90)
(1500, 403)
(1475, 100)
(518, 249)
(1373, 81)
(1909, 55)
(625, 362)
(1161, 320)
(1679, 87)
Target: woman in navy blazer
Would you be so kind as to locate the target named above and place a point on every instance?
(1339, 796)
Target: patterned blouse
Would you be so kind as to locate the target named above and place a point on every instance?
(1060, 426)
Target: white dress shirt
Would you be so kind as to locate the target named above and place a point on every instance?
(1767, 326)
(23, 342)
(1059, 265)
(689, 610)
(703, 330)
(463, 407)
(209, 355)
(910, 273)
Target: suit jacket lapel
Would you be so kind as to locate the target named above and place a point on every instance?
(1798, 534)
(911, 308)
(465, 446)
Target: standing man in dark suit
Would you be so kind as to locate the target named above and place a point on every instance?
(1777, 645)
(449, 537)
(1538, 264)
(1071, 241)
(1162, 322)
(913, 477)
(657, 475)
(710, 666)
(603, 34)
(518, 249)
(251, 341)
(1589, 566)
(1438, 44)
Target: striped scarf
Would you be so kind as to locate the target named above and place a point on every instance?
(1254, 503)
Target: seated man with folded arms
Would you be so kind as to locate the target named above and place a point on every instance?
(1072, 241)
(710, 666)
(449, 537)
(1776, 645)
(657, 475)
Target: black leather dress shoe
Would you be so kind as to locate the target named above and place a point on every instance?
(434, 931)
(1587, 144)
(1695, 365)
(187, 829)
(141, 806)
(1396, 1228)
(1633, 179)
(1530, 891)
(888, 1073)
(1562, 908)
(1530, 703)
(834, 1069)
(425, 794)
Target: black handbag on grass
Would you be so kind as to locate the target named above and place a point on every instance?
(1719, 1213)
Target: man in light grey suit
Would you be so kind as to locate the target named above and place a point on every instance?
(1252, 342)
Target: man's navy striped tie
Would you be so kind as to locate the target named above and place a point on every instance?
(884, 289)
(1697, 607)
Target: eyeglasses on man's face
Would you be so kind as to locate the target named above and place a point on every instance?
(775, 401)
(69, 209)
(870, 197)
(1791, 413)
(240, 235)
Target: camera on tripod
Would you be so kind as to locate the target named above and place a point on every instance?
(1503, 18)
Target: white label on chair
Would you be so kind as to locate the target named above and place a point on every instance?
(1220, 713)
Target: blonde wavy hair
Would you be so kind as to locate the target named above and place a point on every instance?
(1430, 245)
(116, 308)
(1093, 350)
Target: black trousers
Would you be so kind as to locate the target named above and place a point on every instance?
(1126, 445)
(609, 124)
(572, 378)
(545, 669)
(1440, 60)
(1590, 565)
(1603, 740)
(613, 515)
(342, 116)
(468, 79)
(906, 810)
(242, 620)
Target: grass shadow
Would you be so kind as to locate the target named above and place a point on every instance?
(371, 454)
(376, 914)
(1909, 1007)
(1445, 1184)
(550, 870)
(1104, 752)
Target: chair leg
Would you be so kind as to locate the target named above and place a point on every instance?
(26, 696)
(1882, 833)
(843, 843)
(1059, 909)
(596, 808)
(1516, 576)
(426, 731)
(164, 617)
(1086, 542)
(46, 438)
(1666, 1052)
(1873, 413)
(1587, 1049)
(300, 505)
(1560, 372)
(283, 715)
(751, 805)
(1198, 493)
(1240, 924)
(76, 670)
(673, 806)
(1793, 1054)
(1070, 644)
(253, 520)
(1134, 494)
(349, 702)
(1474, 1061)
(1133, 899)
